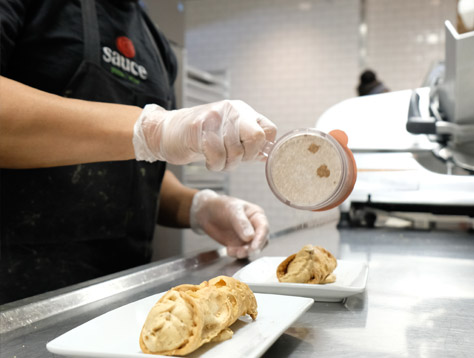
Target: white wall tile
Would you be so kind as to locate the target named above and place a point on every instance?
(292, 65)
(405, 37)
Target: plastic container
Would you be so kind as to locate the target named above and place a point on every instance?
(311, 170)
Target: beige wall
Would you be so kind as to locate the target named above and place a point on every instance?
(405, 37)
(291, 60)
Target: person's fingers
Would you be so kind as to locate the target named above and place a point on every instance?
(252, 138)
(251, 134)
(270, 131)
(212, 142)
(260, 224)
(268, 127)
(251, 220)
(259, 241)
(233, 147)
(238, 251)
(241, 223)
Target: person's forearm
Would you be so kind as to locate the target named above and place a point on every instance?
(173, 212)
(38, 129)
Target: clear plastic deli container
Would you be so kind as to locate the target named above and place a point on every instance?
(311, 170)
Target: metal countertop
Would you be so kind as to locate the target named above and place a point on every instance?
(419, 300)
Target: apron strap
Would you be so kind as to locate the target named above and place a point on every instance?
(91, 32)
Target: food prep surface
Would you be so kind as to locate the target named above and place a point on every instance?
(418, 301)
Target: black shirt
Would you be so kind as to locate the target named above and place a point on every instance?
(60, 226)
(41, 44)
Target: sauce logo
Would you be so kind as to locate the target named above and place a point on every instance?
(122, 60)
(125, 46)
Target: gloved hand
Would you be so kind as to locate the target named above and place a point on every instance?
(223, 133)
(237, 224)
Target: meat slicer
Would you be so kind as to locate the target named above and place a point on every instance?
(414, 148)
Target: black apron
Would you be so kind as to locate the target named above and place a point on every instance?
(64, 225)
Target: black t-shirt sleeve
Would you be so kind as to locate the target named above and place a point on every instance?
(12, 18)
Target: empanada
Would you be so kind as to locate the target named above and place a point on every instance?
(188, 316)
(312, 264)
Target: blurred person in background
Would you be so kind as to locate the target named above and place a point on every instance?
(370, 84)
(88, 124)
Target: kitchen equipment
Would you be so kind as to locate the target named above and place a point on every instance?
(414, 148)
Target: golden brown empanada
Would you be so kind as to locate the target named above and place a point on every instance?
(187, 316)
(312, 264)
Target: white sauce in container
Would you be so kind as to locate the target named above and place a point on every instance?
(308, 169)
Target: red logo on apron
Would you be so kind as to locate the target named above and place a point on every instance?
(125, 46)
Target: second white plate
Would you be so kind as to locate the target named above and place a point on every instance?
(260, 275)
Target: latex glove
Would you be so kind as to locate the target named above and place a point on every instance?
(223, 133)
(237, 224)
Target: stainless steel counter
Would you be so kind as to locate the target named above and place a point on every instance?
(419, 300)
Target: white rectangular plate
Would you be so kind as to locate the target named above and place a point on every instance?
(260, 275)
(115, 334)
